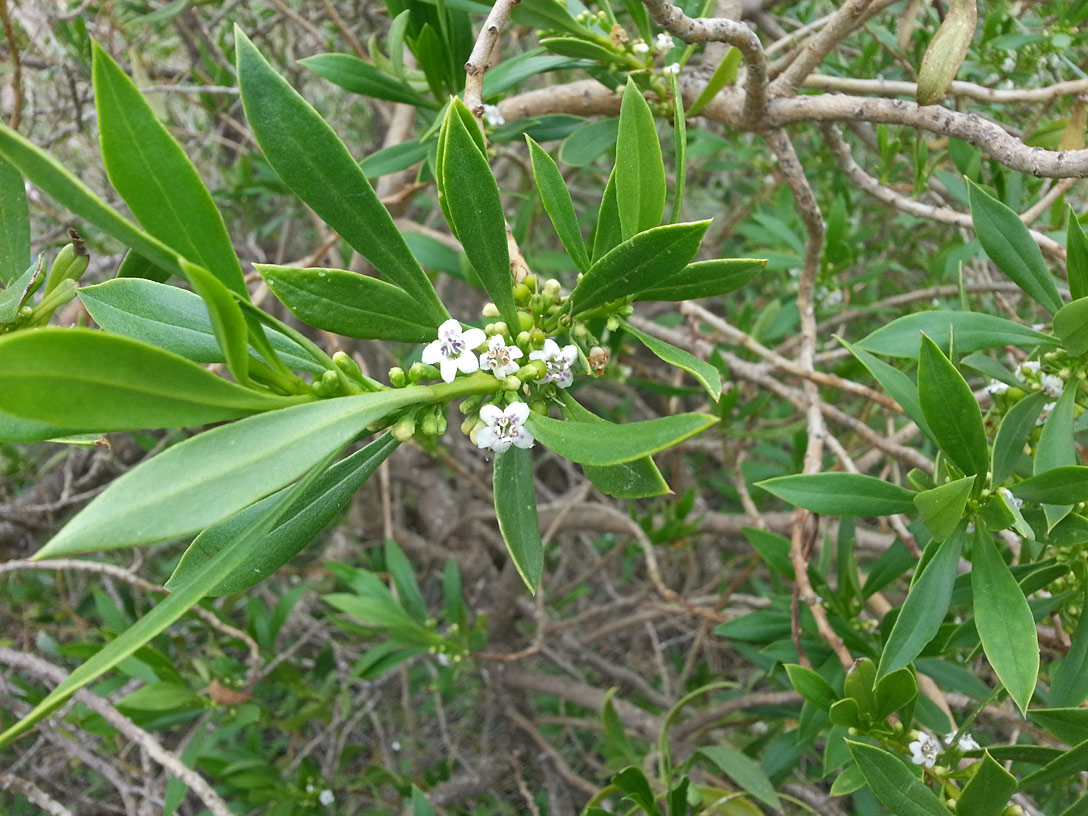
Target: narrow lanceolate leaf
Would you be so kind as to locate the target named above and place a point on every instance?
(62, 186)
(640, 172)
(951, 410)
(310, 159)
(941, 508)
(895, 383)
(707, 376)
(515, 508)
(155, 177)
(894, 784)
(1004, 621)
(638, 264)
(228, 322)
(352, 74)
(1009, 244)
(704, 279)
(1076, 262)
(312, 511)
(1013, 432)
(209, 477)
(1071, 326)
(557, 203)
(925, 607)
(595, 444)
(841, 494)
(1062, 485)
(680, 145)
(14, 224)
(92, 381)
(173, 319)
(165, 613)
(1069, 684)
(1055, 448)
(606, 232)
(14, 429)
(723, 75)
(974, 332)
(745, 771)
(349, 304)
(1065, 767)
(471, 198)
(636, 479)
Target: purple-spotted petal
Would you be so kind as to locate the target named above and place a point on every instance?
(490, 414)
(518, 412)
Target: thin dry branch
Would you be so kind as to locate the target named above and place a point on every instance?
(479, 61)
(841, 23)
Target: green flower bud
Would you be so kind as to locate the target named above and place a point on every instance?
(613, 323)
(533, 370)
(511, 383)
(331, 381)
(524, 339)
(404, 428)
(501, 328)
(522, 293)
(526, 321)
(345, 363)
(539, 407)
(471, 405)
(530, 281)
(551, 288)
(397, 378)
(469, 423)
(70, 263)
(537, 338)
(422, 371)
(490, 310)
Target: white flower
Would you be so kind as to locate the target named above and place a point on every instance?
(966, 742)
(326, 797)
(1011, 499)
(504, 428)
(997, 387)
(499, 358)
(759, 727)
(493, 115)
(452, 351)
(641, 48)
(1008, 65)
(663, 42)
(924, 751)
(558, 362)
(671, 69)
(1052, 384)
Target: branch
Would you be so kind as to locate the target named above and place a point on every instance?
(967, 90)
(721, 30)
(480, 58)
(813, 52)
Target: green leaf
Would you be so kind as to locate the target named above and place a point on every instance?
(209, 477)
(375, 605)
(1009, 244)
(395, 158)
(1069, 724)
(155, 177)
(312, 161)
(704, 279)
(352, 74)
(511, 72)
(1071, 326)
(92, 381)
(311, 513)
(680, 145)
(941, 508)
(1013, 433)
(1004, 621)
(706, 375)
(57, 182)
(640, 172)
(894, 784)
(744, 771)
(158, 619)
(400, 570)
(1062, 769)
(851, 779)
(810, 685)
(637, 479)
(160, 696)
(14, 224)
(638, 264)
(594, 444)
(556, 198)
(14, 429)
(349, 304)
(228, 322)
(173, 319)
(988, 791)
(859, 683)
(951, 410)
(841, 494)
(13, 295)
(589, 141)
(1076, 262)
(974, 332)
(846, 713)
(579, 48)
(548, 15)
(924, 609)
(1069, 684)
(895, 383)
(420, 805)
(1062, 485)
(606, 233)
(515, 508)
(1055, 448)
(471, 199)
(894, 691)
(724, 74)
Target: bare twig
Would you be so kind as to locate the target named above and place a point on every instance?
(479, 61)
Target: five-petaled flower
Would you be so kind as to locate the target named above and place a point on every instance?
(504, 427)
(924, 750)
(966, 741)
(500, 358)
(558, 362)
(452, 351)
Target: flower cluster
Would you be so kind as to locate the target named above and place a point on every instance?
(925, 749)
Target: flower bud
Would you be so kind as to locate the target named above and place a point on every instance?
(397, 378)
(946, 51)
(70, 263)
(539, 407)
(533, 370)
(511, 383)
(490, 310)
(501, 328)
(523, 339)
(522, 293)
(469, 423)
(422, 371)
(551, 288)
(471, 405)
(345, 363)
(537, 338)
(579, 330)
(613, 323)
(530, 281)
(331, 381)
(526, 321)
(404, 428)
